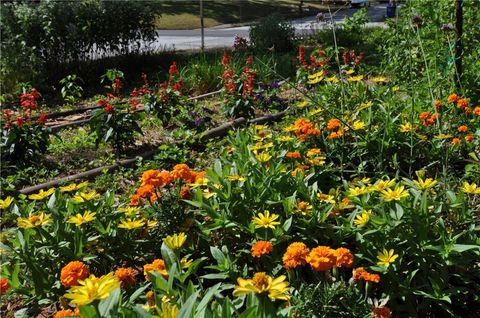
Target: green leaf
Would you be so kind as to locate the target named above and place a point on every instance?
(218, 255)
(187, 308)
(200, 312)
(108, 307)
(88, 311)
(460, 248)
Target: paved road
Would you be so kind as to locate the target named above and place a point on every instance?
(223, 36)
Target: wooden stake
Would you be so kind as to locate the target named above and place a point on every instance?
(458, 42)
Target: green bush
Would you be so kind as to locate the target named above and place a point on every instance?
(38, 36)
(272, 32)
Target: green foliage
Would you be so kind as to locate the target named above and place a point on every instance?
(356, 22)
(44, 35)
(71, 89)
(272, 33)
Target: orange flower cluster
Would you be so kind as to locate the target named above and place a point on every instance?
(293, 155)
(361, 274)
(261, 248)
(462, 103)
(126, 276)
(157, 265)
(66, 313)
(381, 312)
(428, 119)
(335, 126)
(304, 129)
(73, 272)
(4, 285)
(152, 180)
(296, 255)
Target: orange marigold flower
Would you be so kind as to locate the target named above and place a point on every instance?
(145, 190)
(438, 105)
(453, 98)
(295, 255)
(322, 258)
(293, 155)
(151, 298)
(476, 111)
(65, 313)
(134, 200)
(462, 128)
(424, 115)
(152, 177)
(462, 103)
(333, 124)
(467, 110)
(73, 272)
(381, 312)
(304, 129)
(469, 138)
(344, 257)
(185, 192)
(361, 274)
(181, 171)
(154, 197)
(455, 141)
(126, 276)
(335, 135)
(157, 265)
(4, 285)
(261, 248)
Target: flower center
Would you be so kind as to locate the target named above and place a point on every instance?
(260, 280)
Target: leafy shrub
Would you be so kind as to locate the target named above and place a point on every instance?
(274, 33)
(41, 35)
(71, 89)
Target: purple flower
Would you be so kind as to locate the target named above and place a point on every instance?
(259, 97)
(274, 85)
(208, 110)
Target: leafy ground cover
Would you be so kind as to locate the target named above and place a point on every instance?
(363, 201)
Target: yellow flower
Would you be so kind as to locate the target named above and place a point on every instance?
(68, 188)
(129, 210)
(424, 184)
(443, 136)
(150, 223)
(285, 138)
(386, 257)
(199, 182)
(263, 157)
(362, 219)
(34, 220)
(236, 177)
(378, 79)
(85, 196)
(207, 193)
(185, 262)
(315, 111)
(326, 198)
(394, 195)
(303, 104)
(357, 191)
(81, 185)
(266, 220)
(93, 288)
(80, 219)
(395, 89)
(470, 188)
(130, 224)
(355, 78)
(175, 241)
(332, 79)
(315, 80)
(381, 185)
(350, 71)
(262, 283)
(365, 105)
(42, 194)
(167, 310)
(304, 208)
(406, 128)
(318, 161)
(358, 125)
(5, 203)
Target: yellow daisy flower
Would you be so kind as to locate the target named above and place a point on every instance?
(85, 196)
(261, 283)
(5, 203)
(34, 220)
(93, 288)
(395, 195)
(175, 241)
(386, 257)
(42, 194)
(266, 220)
(80, 219)
(426, 184)
(362, 219)
(130, 224)
(470, 188)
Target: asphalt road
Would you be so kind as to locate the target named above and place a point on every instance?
(223, 36)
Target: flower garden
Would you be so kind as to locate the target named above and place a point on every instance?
(349, 189)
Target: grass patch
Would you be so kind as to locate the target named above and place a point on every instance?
(186, 14)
